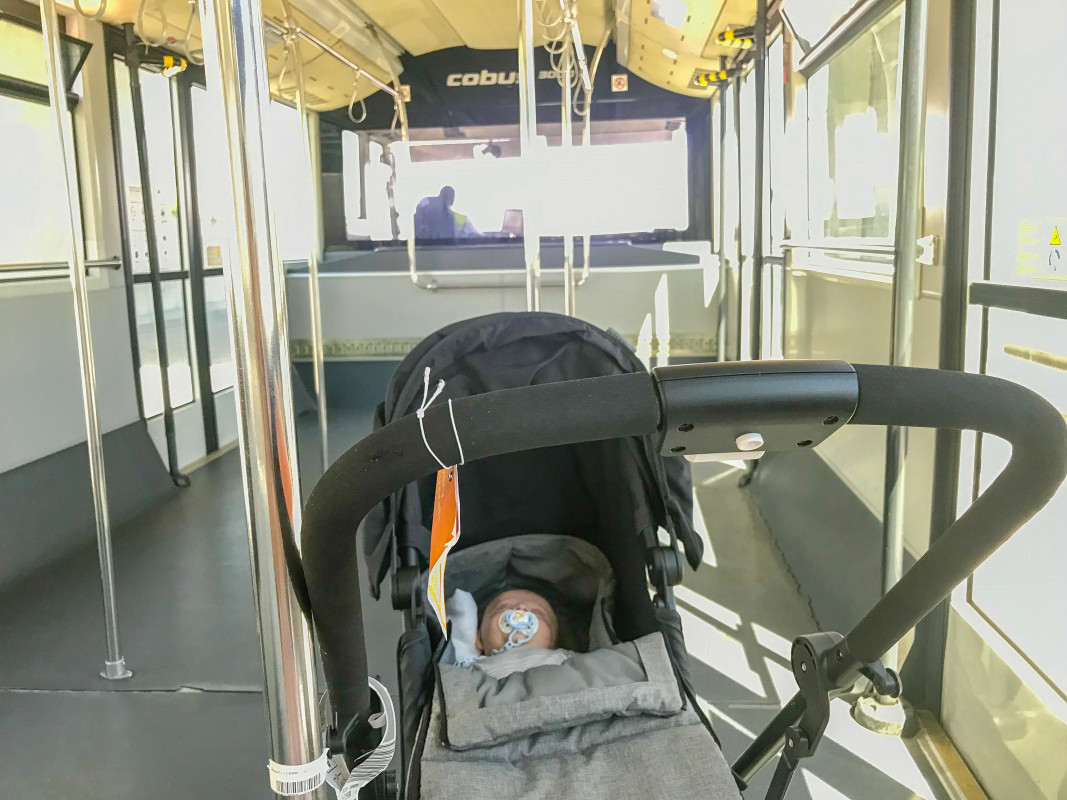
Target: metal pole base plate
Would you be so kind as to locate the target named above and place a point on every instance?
(116, 670)
(883, 715)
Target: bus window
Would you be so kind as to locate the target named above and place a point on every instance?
(632, 181)
(853, 123)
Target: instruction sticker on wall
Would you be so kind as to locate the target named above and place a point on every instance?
(444, 533)
(1040, 253)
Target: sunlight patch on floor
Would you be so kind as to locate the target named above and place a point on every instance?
(887, 754)
(720, 652)
(719, 613)
(701, 528)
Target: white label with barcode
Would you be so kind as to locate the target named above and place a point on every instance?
(300, 779)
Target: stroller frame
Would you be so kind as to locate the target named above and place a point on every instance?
(791, 403)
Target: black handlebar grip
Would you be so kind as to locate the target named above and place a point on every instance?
(929, 398)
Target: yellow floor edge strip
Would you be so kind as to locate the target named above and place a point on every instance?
(954, 774)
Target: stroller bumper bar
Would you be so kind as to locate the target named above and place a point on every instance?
(703, 408)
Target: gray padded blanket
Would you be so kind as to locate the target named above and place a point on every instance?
(611, 723)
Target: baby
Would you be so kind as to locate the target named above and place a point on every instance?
(535, 624)
(518, 631)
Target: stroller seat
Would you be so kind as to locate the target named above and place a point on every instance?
(612, 721)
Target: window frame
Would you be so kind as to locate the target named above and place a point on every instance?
(859, 257)
(19, 279)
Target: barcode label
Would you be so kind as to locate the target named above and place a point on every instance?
(300, 779)
(290, 788)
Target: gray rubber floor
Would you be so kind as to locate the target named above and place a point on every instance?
(191, 723)
(741, 610)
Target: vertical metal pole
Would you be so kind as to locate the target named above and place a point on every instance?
(133, 62)
(724, 272)
(930, 635)
(531, 241)
(237, 69)
(738, 248)
(587, 237)
(756, 334)
(909, 206)
(587, 125)
(115, 665)
(309, 129)
(567, 142)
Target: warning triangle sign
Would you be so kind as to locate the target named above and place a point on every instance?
(1055, 237)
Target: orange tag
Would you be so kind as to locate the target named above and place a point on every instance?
(443, 536)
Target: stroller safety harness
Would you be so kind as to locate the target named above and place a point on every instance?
(593, 725)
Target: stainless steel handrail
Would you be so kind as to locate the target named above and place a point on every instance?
(281, 30)
(905, 269)
(587, 113)
(527, 146)
(235, 62)
(115, 664)
(843, 33)
(309, 131)
(99, 263)
(566, 142)
(831, 247)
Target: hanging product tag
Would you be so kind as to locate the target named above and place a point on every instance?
(443, 536)
(300, 779)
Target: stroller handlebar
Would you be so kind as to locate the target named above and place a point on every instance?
(711, 405)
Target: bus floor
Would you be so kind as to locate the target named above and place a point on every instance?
(191, 721)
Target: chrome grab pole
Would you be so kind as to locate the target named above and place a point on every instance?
(309, 129)
(567, 142)
(115, 665)
(531, 241)
(724, 273)
(405, 137)
(909, 206)
(587, 139)
(236, 67)
(402, 118)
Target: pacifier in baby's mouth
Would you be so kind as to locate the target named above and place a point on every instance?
(515, 623)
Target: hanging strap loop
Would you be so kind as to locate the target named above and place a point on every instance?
(352, 102)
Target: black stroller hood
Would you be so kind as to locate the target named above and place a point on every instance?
(510, 350)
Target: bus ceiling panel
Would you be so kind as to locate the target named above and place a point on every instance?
(461, 87)
(422, 26)
(170, 24)
(328, 82)
(175, 25)
(674, 44)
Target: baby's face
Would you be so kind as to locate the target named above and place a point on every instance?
(491, 638)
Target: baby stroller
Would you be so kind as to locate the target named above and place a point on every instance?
(571, 486)
(579, 523)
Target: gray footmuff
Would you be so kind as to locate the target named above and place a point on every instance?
(612, 722)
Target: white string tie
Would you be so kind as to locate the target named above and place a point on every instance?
(420, 412)
(459, 444)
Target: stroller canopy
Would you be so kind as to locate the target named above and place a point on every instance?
(503, 351)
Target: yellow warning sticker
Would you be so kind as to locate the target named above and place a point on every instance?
(1055, 242)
